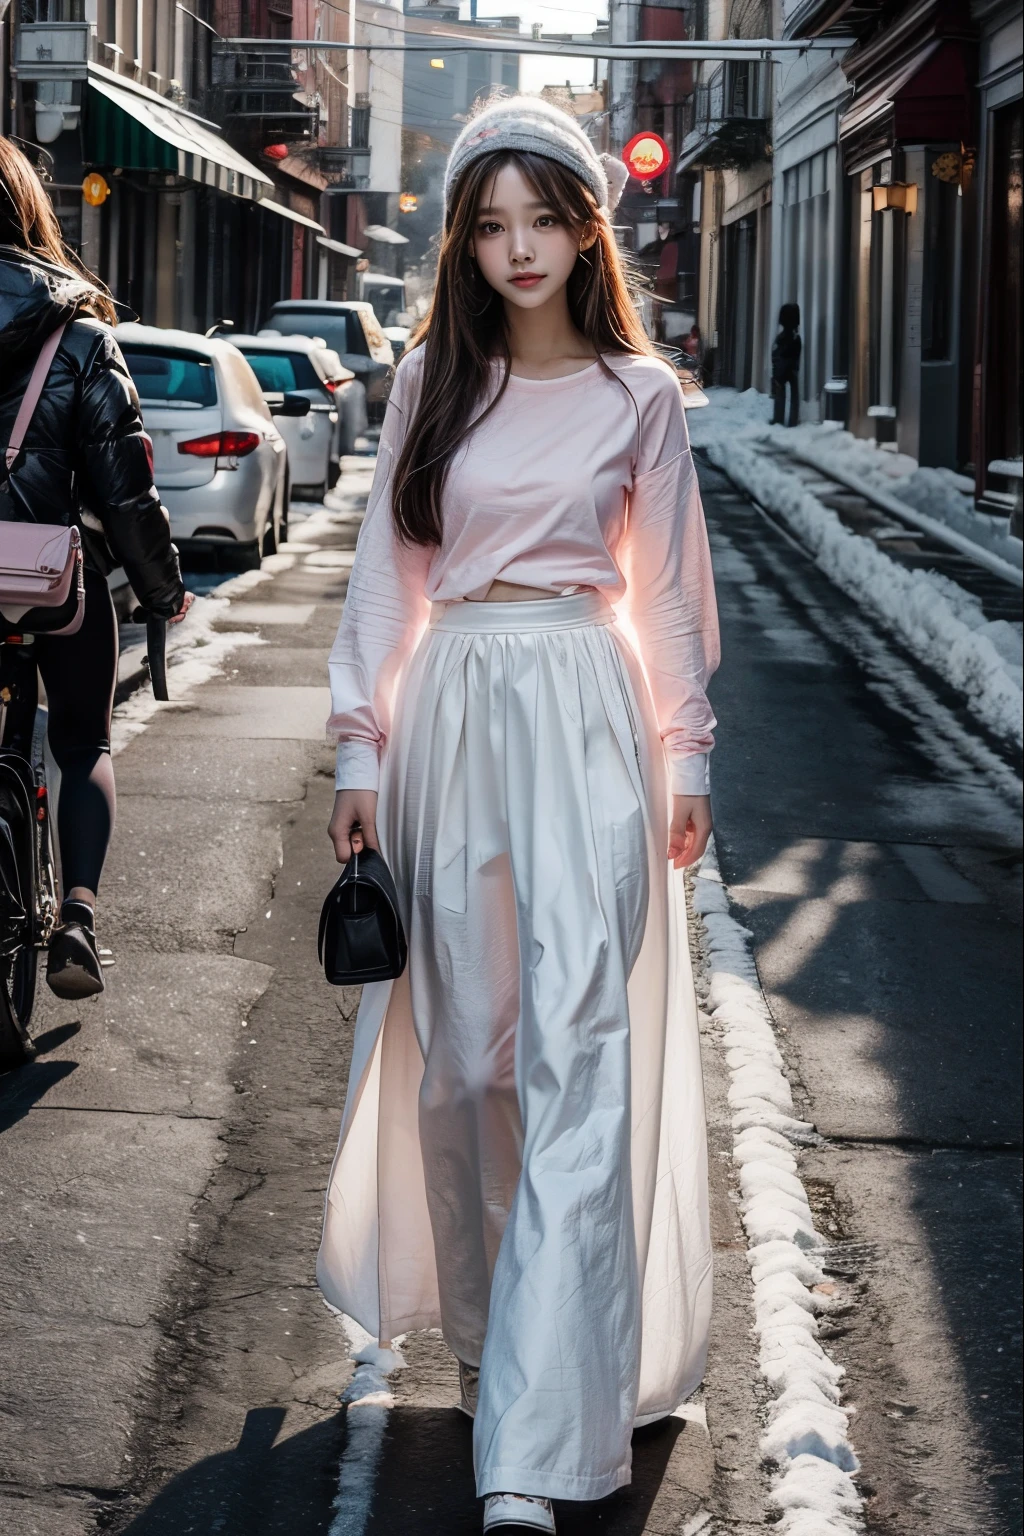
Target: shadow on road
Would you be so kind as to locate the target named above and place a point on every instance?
(425, 1484)
(21, 1089)
(258, 1489)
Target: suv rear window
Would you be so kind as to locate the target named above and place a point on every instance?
(282, 370)
(341, 329)
(171, 378)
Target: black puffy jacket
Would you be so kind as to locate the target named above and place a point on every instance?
(85, 458)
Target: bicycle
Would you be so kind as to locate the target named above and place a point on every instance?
(29, 884)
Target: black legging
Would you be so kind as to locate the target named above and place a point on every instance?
(780, 381)
(79, 672)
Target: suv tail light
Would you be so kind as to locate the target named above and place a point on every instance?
(330, 385)
(221, 445)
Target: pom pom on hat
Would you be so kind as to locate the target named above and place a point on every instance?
(534, 126)
(617, 174)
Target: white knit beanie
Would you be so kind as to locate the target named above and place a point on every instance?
(536, 127)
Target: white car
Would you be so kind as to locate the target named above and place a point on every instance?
(219, 462)
(337, 404)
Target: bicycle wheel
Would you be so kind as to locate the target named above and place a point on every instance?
(17, 995)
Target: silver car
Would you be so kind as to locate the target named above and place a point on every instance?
(337, 404)
(219, 462)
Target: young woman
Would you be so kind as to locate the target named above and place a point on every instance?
(85, 462)
(518, 686)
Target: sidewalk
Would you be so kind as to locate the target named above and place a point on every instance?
(135, 1133)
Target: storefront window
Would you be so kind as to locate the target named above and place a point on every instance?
(1003, 393)
(941, 245)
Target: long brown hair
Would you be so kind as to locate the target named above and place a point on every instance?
(465, 330)
(27, 221)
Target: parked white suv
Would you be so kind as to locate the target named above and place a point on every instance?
(337, 404)
(219, 462)
(349, 328)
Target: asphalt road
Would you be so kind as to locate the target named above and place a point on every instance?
(169, 1368)
(871, 838)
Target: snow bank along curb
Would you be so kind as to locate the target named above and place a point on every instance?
(368, 1399)
(941, 623)
(196, 649)
(806, 1436)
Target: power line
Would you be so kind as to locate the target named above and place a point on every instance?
(739, 49)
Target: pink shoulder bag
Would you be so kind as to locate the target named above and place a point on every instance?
(42, 584)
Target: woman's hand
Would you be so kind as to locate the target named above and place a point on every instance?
(690, 829)
(354, 823)
(186, 604)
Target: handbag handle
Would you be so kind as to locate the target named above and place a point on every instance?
(30, 399)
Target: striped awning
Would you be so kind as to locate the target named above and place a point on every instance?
(290, 214)
(129, 127)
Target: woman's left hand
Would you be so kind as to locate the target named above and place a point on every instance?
(187, 602)
(690, 829)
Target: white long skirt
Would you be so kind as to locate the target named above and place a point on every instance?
(523, 1157)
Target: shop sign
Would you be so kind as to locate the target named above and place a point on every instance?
(646, 155)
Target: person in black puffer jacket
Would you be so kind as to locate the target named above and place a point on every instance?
(86, 461)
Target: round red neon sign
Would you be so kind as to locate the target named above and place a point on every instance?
(646, 155)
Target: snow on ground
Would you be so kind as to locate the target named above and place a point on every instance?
(806, 1436)
(936, 619)
(368, 1399)
(196, 652)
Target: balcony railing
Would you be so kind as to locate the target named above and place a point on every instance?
(344, 165)
(260, 86)
(731, 114)
(739, 90)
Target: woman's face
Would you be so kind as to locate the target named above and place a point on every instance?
(525, 248)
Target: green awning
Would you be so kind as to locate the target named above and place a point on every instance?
(129, 127)
(114, 137)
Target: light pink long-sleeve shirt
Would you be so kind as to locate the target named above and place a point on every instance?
(568, 483)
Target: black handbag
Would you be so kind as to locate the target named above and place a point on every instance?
(361, 936)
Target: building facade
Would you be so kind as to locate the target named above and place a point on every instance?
(221, 176)
(439, 92)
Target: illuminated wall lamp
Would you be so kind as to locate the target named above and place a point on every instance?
(898, 194)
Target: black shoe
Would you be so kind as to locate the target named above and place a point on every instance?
(73, 968)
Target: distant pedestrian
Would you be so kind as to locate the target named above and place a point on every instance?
(86, 464)
(786, 350)
(691, 342)
(523, 1153)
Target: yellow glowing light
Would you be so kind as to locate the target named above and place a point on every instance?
(437, 63)
(95, 189)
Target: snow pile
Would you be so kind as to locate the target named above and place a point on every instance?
(941, 623)
(196, 652)
(367, 1399)
(806, 1436)
(940, 494)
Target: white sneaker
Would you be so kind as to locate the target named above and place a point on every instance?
(469, 1389)
(520, 1509)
